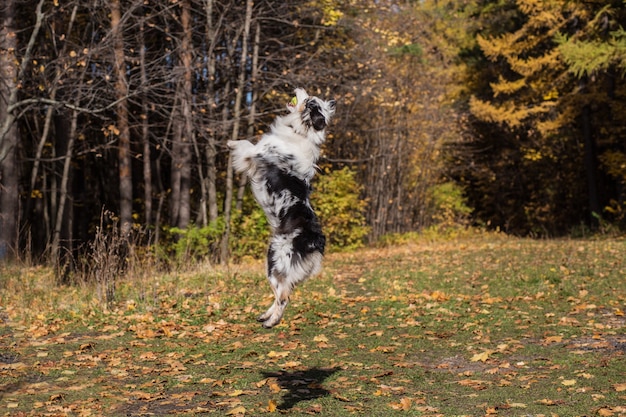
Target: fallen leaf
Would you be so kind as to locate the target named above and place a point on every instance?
(291, 364)
(552, 339)
(274, 387)
(482, 357)
(404, 404)
(271, 406)
(620, 387)
(237, 411)
(13, 366)
(274, 354)
(477, 384)
(548, 402)
(569, 382)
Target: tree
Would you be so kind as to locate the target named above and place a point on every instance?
(399, 118)
(10, 74)
(121, 94)
(8, 132)
(535, 119)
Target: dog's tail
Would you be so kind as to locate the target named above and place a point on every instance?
(242, 154)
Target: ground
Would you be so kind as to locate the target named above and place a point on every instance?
(478, 325)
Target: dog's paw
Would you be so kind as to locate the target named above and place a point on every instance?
(268, 324)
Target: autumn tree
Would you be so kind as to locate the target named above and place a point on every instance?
(532, 138)
(595, 55)
(399, 114)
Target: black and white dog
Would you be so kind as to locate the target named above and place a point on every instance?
(280, 168)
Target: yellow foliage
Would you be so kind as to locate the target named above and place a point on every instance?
(615, 163)
(330, 10)
(507, 113)
(507, 87)
(532, 155)
(528, 67)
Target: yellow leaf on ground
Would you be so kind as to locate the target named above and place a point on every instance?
(569, 382)
(605, 412)
(274, 354)
(291, 364)
(404, 404)
(552, 339)
(274, 387)
(271, 406)
(237, 411)
(320, 338)
(482, 357)
(620, 387)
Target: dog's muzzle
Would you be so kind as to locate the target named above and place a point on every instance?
(318, 120)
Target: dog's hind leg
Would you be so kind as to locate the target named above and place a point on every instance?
(273, 281)
(282, 291)
(263, 317)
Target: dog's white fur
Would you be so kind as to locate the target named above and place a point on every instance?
(280, 168)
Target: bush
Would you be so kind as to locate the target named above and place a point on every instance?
(335, 199)
(449, 205)
(250, 232)
(337, 202)
(197, 242)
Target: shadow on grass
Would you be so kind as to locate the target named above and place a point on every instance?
(301, 385)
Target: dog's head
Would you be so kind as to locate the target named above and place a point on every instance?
(314, 112)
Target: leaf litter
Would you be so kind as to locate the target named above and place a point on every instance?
(487, 325)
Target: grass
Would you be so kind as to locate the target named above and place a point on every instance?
(473, 326)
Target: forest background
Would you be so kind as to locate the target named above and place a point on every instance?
(114, 115)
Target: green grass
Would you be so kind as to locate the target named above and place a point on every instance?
(473, 326)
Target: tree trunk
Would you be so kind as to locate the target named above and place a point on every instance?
(184, 213)
(41, 235)
(210, 149)
(183, 131)
(121, 93)
(145, 138)
(235, 131)
(9, 134)
(62, 237)
(591, 167)
(252, 115)
(8, 141)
